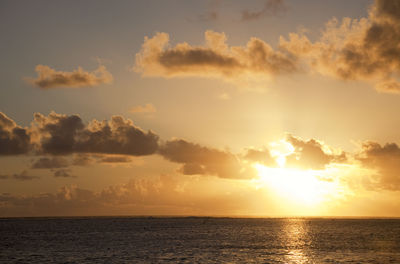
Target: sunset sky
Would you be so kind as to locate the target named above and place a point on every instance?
(214, 107)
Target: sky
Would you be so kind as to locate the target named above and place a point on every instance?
(217, 107)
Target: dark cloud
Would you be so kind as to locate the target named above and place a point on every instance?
(4, 177)
(271, 7)
(192, 169)
(310, 154)
(385, 159)
(389, 9)
(197, 159)
(50, 163)
(14, 140)
(57, 133)
(260, 156)
(49, 78)
(62, 134)
(24, 176)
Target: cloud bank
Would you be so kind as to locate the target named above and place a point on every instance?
(165, 195)
(62, 141)
(363, 49)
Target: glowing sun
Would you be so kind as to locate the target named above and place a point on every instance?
(300, 186)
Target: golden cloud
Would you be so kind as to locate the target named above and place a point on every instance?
(49, 78)
(363, 49)
(213, 60)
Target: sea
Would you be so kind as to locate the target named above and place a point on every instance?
(199, 240)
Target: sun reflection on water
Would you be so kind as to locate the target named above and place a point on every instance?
(296, 236)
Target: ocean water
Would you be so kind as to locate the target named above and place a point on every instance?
(199, 240)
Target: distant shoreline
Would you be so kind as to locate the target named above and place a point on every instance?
(206, 217)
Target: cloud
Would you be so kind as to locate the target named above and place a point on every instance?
(90, 159)
(49, 78)
(271, 7)
(24, 176)
(214, 60)
(58, 134)
(165, 195)
(14, 140)
(147, 108)
(385, 160)
(117, 140)
(82, 159)
(311, 154)
(63, 173)
(211, 14)
(72, 200)
(4, 177)
(50, 163)
(366, 49)
(64, 202)
(62, 134)
(363, 49)
(200, 160)
(115, 159)
(260, 156)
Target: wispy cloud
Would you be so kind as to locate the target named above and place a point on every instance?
(63, 173)
(271, 7)
(224, 96)
(146, 109)
(24, 176)
(50, 163)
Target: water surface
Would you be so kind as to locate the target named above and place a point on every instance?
(205, 240)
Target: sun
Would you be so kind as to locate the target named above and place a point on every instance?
(298, 186)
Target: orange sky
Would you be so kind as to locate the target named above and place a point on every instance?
(268, 108)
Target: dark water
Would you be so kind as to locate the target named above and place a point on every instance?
(194, 240)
